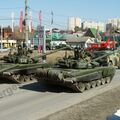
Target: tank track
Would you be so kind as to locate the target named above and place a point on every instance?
(19, 75)
(47, 77)
(82, 86)
(17, 78)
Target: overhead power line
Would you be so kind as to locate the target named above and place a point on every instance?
(8, 19)
(11, 8)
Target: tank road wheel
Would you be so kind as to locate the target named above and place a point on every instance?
(16, 78)
(87, 86)
(98, 82)
(103, 81)
(21, 79)
(81, 87)
(107, 79)
(26, 78)
(93, 84)
(32, 77)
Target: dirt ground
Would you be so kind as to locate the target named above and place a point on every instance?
(96, 108)
(58, 55)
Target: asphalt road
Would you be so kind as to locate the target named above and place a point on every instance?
(34, 101)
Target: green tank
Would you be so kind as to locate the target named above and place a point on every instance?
(113, 59)
(19, 73)
(20, 56)
(79, 72)
(20, 67)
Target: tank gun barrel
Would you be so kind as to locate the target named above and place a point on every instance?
(45, 54)
(10, 66)
(103, 56)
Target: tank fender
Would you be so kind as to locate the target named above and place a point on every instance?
(108, 72)
(87, 77)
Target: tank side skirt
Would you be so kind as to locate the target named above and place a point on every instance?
(88, 77)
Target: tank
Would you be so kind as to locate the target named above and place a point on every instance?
(113, 59)
(105, 47)
(79, 72)
(19, 73)
(20, 67)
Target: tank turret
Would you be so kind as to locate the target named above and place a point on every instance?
(21, 56)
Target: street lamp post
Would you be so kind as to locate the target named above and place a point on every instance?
(26, 22)
(1, 38)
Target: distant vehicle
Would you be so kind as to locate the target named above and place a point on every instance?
(106, 47)
(102, 45)
(55, 45)
(48, 47)
(5, 50)
(115, 116)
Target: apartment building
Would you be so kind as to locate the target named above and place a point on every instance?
(115, 22)
(72, 22)
(93, 24)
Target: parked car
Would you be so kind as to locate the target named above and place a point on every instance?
(115, 116)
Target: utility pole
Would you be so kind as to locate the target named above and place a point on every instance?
(26, 22)
(1, 37)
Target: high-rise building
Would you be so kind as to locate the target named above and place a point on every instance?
(92, 24)
(72, 22)
(115, 22)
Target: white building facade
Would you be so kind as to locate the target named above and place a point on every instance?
(92, 24)
(74, 21)
(115, 22)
